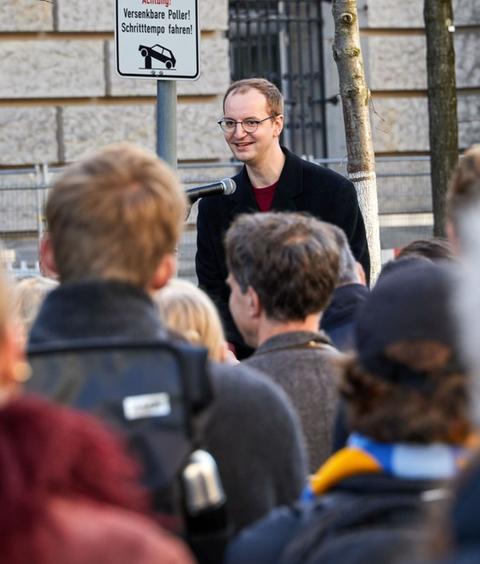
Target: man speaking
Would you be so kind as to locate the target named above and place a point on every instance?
(272, 178)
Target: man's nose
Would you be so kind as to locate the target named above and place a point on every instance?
(239, 131)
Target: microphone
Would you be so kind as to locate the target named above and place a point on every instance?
(226, 187)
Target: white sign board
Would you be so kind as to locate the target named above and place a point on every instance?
(157, 39)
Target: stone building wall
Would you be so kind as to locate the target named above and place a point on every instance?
(60, 95)
(395, 53)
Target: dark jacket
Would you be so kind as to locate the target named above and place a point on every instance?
(338, 319)
(303, 186)
(305, 365)
(365, 518)
(261, 462)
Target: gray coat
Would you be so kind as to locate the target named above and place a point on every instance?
(304, 364)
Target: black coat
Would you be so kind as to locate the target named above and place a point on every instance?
(303, 186)
(339, 317)
(372, 518)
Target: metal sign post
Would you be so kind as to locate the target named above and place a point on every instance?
(159, 39)
(167, 122)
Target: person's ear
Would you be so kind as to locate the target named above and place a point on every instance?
(278, 125)
(164, 271)
(362, 279)
(48, 265)
(253, 303)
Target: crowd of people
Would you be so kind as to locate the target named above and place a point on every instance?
(320, 420)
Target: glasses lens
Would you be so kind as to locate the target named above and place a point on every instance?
(249, 125)
(227, 124)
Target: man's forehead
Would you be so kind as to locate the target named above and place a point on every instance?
(246, 100)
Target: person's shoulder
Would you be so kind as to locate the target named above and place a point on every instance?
(243, 379)
(240, 387)
(319, 173)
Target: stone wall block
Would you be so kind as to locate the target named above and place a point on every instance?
(87, 15)
(26, 15)
(214, 73)
(409, 13)
(28, 135)
(199, 136)
(396, 62)
(399, 62)
(468, 120)
(467, 47)
(391, 13)
(50, 69)
(214, 69)
(467, 12)
(86, 128)
(400, 124)
(213, 14)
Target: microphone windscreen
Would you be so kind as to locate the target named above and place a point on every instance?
(230, 186)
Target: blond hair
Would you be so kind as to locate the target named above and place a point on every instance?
(28, 296)
(115, 215)
(187, 310)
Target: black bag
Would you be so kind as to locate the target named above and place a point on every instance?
(150, 391)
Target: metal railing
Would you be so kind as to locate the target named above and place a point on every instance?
(403, 190)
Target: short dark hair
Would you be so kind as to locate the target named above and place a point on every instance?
(290, 259)
(433, 249)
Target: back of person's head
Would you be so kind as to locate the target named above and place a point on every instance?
(435, 249)
(187, 310)
(289, 259)
(348, 266)
(464, 188)
(114, 215)
(272, 94)
(407, 382)
(69, 491)
(29, 294)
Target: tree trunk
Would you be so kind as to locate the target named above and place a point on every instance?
(442, 103)
(355, 102)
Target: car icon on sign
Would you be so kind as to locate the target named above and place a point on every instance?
(157, 52)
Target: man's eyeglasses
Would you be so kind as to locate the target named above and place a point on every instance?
(249, 125)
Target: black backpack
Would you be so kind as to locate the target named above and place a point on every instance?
(151, 391)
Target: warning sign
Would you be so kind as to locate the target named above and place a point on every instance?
(157, 39)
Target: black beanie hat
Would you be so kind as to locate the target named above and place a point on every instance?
(409, 303)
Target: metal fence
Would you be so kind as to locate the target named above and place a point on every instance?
(403, 189)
